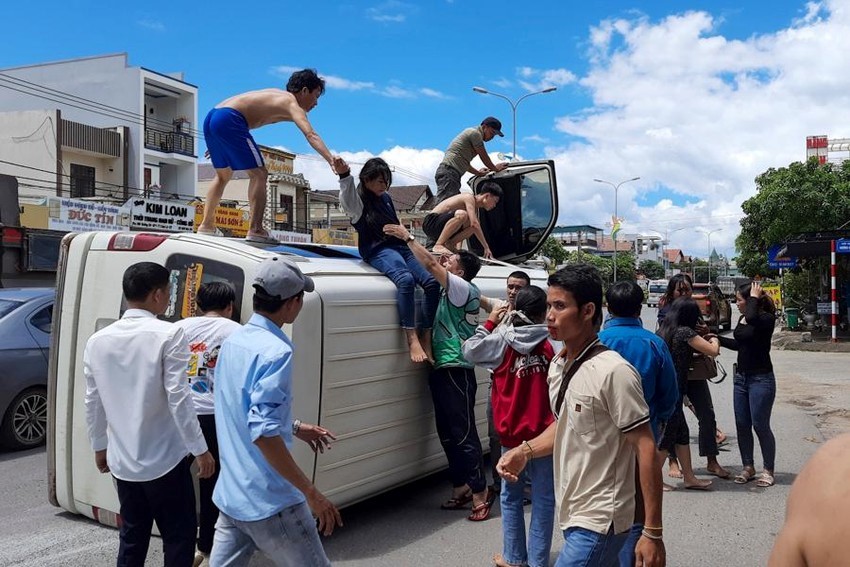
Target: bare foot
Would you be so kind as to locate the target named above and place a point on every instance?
(441, 250)
(667, 487)
(718, 471)
(425, 341)
(674, 471)
(697, 484)
(417, 353)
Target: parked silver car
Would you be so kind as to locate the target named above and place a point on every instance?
(26, 316)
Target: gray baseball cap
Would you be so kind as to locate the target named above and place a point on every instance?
(281, 278)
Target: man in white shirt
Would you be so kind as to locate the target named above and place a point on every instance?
(141, 422)
(215, 301)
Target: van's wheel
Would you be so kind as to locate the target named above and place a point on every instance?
(25, 423)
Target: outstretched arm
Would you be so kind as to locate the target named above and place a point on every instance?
(474, 224)
(428, 260)
(299, 117)
(485, 158)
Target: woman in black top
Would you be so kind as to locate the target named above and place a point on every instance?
(679, 332)
(698, 395)
(755, 384)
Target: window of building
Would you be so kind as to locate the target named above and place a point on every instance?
(82, 181)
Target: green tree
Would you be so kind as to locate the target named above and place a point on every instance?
(554, 250)
(651, 269)
(803, 197)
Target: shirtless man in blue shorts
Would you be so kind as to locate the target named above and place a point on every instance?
(232, 148)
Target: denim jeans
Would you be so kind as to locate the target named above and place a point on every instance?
(627, 553)
(405, 271)
(288, 539)
(753, 400)
(584, 548)
(534, 552)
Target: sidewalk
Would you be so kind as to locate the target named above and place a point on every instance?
(821, 340)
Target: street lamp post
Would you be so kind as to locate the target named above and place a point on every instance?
(708, 234)
(616, 215)
(514, 104)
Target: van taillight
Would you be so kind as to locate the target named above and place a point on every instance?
(106, 517)
(135, 241)
(12, 236)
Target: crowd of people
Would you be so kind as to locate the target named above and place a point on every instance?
(580, 430)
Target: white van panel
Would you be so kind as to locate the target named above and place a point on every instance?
(352, 372)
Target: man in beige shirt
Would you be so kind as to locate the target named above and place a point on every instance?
(232, 148)
(603, 422)
(460, 153)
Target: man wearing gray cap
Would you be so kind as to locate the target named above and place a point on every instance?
(460, 153)
(266, 502)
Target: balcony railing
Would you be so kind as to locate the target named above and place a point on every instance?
(169, 142)
(89, 138)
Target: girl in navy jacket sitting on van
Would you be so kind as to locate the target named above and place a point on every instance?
(519, 352)
(370, 207)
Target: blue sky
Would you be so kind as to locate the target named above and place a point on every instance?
(696, 98)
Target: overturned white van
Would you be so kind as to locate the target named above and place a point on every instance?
(352, 372)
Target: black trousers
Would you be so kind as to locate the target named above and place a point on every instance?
(170, 502)
(453, 392)
(209, 511)
(700, 396)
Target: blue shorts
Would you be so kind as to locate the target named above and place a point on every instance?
(229, 140)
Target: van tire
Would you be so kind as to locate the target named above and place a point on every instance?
(25, 423)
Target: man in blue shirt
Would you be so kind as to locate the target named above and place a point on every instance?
(649, 354)
(265, 501)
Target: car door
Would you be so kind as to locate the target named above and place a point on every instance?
(525, 215)
(39, 325)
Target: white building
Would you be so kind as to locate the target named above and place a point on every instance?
(95, 127)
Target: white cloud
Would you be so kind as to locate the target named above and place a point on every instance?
(697, 116)
(331, 81)
(537, 79)
(391, 12)
(152, 25)
(433, 93)
(536, 138)
(394, 91)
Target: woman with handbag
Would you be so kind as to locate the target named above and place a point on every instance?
(697, 393)
(679, 332)
(755, 383)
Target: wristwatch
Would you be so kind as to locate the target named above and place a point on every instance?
(410, 238)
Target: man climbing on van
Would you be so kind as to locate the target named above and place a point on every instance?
(265, 501)
(454, 220)
(141, 422)
(452, 381)
(232, 148)
(460, 153)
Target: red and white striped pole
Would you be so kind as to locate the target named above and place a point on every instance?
(833, 270)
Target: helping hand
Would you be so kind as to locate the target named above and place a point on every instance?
(501, 166)
(756, 290)
(340, 166)
(316, 436)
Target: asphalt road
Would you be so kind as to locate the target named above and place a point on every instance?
(733, 525)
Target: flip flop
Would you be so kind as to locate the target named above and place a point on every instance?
(480, 512)
(262, 239)
(765, 479)
(744, 477)
(457, 503)
(215, 232)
